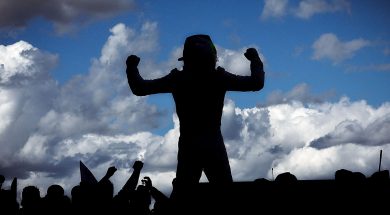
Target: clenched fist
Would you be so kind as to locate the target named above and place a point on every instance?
(252, 55)
(138, 165)
(132, 61)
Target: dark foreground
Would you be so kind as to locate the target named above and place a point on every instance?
(349, 193)
(297, 197)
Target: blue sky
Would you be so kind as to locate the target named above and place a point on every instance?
(285, 39)
(327, 65)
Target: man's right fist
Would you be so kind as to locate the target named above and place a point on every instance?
(132, 61)
(138, 165)
(111, 171)
(252, 55)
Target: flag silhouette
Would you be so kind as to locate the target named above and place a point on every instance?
(86, 175)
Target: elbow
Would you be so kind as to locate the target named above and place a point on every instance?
(137, 91)
(258, 81)
(258, 86)
(139, 94)
(136, 88)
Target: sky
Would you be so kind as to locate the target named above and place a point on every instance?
(64, 96)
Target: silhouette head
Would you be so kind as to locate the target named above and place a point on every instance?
(30, 196)
(76, 193)
(199, 51)
(55, 191)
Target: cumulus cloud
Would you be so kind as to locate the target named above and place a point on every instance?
(21, 61)
(305, 8)
(26, 92)
(352, 131)
(300, 92)
(234, 61)
(274, 8)
(65, 14)
(308, 8)
(309, 140)
(40, 117)
(328, 46)
(322, 164)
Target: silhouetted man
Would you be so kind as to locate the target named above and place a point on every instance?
(199, 92)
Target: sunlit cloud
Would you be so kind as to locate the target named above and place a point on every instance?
(328, 46)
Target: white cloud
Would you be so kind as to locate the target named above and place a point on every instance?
(328, 46)
(232, 122)
(311, 163)
(284, 141)
(26, 90)
(308, 8)
(124, 40)
(300, 92)
(234, 61)
(47, 128)
(7, 105)
(22, 61)
(305, 8)
(163, 154)
(274, 8)
(38, 115)
(352, 131)
(35, 149)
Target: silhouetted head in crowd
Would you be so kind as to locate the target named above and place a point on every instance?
(199, 53)
(30, 196)
(76, 194)
(55, 191)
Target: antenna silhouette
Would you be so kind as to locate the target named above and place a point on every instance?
(380, 160)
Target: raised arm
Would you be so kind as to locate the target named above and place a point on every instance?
(110, 172)
(254, 82)
(141, 87)
(132, 182)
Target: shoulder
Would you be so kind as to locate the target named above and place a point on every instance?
(175, 72)
(221, 72)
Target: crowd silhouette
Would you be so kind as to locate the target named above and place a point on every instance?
(348, 192)
(87, 197)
